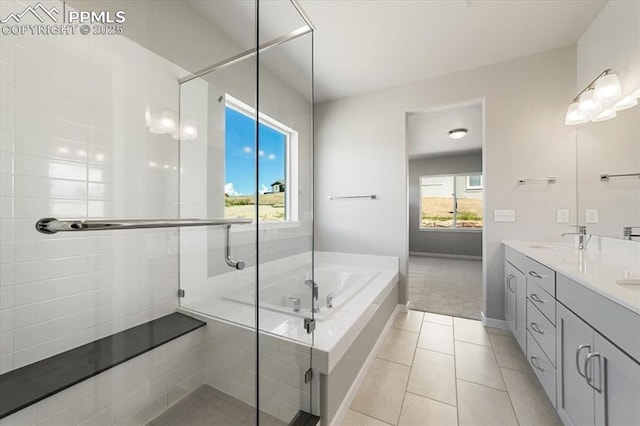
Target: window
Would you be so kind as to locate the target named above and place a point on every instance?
(451, 201)
(275, 179)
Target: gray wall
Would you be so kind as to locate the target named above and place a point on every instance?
(361, 148)
(439, 241)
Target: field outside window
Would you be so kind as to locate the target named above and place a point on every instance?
(451, 201)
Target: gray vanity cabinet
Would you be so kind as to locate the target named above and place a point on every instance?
(598, 384)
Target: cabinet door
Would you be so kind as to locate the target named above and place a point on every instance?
(515, 299)
(510, 296)
(521, 310)
(617, 383)
(574, 341)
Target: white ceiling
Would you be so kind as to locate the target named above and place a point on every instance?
(367, 45)
(428, 132)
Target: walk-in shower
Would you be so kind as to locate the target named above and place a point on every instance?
(168, 169)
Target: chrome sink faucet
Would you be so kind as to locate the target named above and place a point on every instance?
(314, 290)
(582, 236)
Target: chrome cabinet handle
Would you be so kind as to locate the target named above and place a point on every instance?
(536, 298)
(509, 278)
(587, 376)
(534, 362)
(578, 350)
(535, 274)
(534, 327)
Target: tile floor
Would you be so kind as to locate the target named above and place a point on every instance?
(439, 370)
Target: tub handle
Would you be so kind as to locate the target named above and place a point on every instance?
(330, 297)
(296, 303)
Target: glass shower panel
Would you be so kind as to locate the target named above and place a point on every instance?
(288, 296)
(218, 151)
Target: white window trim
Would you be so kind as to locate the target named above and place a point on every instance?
(475, 187)
(291, 166)
(451, 229)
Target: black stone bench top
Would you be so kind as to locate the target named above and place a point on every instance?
(34, 382)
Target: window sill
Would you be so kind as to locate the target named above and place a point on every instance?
(469, 230)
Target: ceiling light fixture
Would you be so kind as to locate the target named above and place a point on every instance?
(599, 101)
(457, 133)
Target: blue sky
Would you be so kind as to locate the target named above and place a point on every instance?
(240, 154)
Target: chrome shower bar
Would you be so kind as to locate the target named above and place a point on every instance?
(51, 225)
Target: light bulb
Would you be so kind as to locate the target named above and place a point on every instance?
(605, 115)
(457, 133)
(574, 116)
(587, 104)
(626, 103)
(607, 88)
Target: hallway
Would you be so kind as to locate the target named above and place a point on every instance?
(446, 286)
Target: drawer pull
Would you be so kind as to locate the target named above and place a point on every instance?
(536, 298)
(534, 362)
(535, 274)
(535, 328)
(578, 350)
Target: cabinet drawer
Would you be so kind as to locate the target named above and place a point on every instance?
(543, 368)
(515, 258)
(542, 300)
(541, 275)
(542, 331)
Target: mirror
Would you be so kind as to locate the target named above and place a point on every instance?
(612, 147)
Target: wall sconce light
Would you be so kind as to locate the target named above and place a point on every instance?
(600, 100)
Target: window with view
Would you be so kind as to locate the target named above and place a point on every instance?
(273, 165)
(452, 201)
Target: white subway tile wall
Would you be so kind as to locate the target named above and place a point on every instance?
(74, 144)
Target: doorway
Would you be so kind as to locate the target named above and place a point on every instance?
(445, 202)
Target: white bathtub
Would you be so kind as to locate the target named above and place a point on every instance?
(341, 282)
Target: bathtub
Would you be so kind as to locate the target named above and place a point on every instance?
(343, 283)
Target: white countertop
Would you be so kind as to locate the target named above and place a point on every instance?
(605, 261)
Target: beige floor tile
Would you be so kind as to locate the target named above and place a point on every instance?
(508, 353)
(479, 405)
(409, 321)
(529, 400)
(382, 391)
(477, 364)
(436, 337)
(466, 330)
(438, 318)
(502, 331)
(419, 411)
(398, 346)
(353, 418)
(433, 375)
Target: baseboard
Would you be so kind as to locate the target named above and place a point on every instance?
(495, 323)
(355, 386)
(445, 255)
(404, 308)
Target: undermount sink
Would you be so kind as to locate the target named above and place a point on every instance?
(550, 247)
(628, 281)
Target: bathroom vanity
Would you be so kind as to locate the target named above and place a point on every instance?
(576, 316)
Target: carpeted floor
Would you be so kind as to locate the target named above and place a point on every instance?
(446, 286)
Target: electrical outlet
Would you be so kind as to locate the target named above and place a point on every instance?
(591, 216)
(504, 215)
(562, 216)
